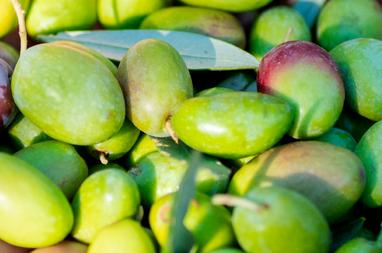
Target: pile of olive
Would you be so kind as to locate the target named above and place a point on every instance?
(93, 152)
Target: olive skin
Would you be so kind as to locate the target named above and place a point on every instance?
(122, 237)
(275, 26)
(77, 99)
(8, 20)
(333, 178)
(104, 198)
(28, 195)
(342, 20)
(231, 6)
(357, 245)
(232, 124)
(360, 64)
(368, 150)
(46, 17)
(338, 137)
(286, 72)
(156, 82)
(123, 14)
(214, 23)
(59, 161)
(284, 221)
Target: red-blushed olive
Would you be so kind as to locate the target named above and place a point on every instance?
(333, 178)
(306, 77)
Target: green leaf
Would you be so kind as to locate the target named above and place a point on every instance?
(180, 239)
(198, 51)
(309, 9)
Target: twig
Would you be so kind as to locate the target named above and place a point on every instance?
(21, 20)
(233, 201)
(171, 131)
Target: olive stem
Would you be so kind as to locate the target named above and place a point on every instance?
(289, 34)
(233, 201)
(171, 131)
(103, 159)
(22, 30)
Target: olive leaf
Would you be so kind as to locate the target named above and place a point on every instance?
(198, 51)
(180, 239)
(309, 9)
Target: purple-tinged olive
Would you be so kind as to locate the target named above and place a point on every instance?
(7, 106)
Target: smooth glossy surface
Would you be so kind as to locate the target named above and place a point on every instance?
(232, 124)
(121, 237)
(275, 26)
(8, 20)
(360, 63)
(118, 144)
(333, 178)
(343, 20)
(47, 16)
(338, 137)
(369, 149)
(213, 23)
(33, 211)
(156, 82)
(104, 198)
(358, 245)
(59, 161)
(284, 222)
(76, 98)
(123, 14)
(305, 75)
(232, 6)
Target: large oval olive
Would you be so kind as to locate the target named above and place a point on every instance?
(122, 237)
(33, 211)
(369, 151)
(156, 81)
(333, 178)
(214, 23)
(232, 5)
(72, 96)
(59, 161)
(232, 124)
(105, 197)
